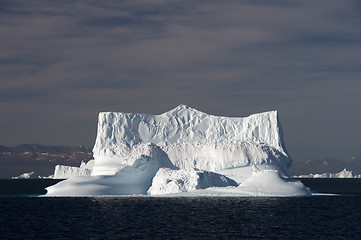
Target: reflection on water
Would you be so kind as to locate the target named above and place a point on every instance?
(180, 218)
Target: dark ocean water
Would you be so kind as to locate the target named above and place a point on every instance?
(317, 217)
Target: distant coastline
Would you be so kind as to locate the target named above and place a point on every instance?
(41, 159)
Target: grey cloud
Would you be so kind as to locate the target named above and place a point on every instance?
(64, 61)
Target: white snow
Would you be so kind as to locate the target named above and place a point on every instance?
(185, 180)
(185, 151)
(343, 174)
(261, 183)
(62, 171)
(130, 179)
(271, 183)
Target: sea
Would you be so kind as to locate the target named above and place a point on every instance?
(336, 214)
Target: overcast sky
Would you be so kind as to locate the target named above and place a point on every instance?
(62, 62)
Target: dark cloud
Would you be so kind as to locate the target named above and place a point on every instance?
(64, 61)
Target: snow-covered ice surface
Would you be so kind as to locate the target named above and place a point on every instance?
(131, 179)
(271, 183)
(263, 183)
(190, 138)
(185, 151)
(186, 180)
(62, 171)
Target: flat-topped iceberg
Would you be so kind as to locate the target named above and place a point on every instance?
(181, 151)
(63, 172)
(190, 138)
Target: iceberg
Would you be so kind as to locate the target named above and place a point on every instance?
(28, 175)
(183, 151)
(32, 175)
(343, 174)
(191, 139)
(63, 172)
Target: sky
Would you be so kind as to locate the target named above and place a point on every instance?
(63, 62)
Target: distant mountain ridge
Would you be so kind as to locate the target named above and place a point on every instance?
(43, 149)
(42, 159)
(326, 165)
(39, 158)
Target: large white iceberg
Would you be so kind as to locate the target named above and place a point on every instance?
(132, 150)
(190, 138)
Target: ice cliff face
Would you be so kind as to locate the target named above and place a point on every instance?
(190, 138)
(62, 171)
